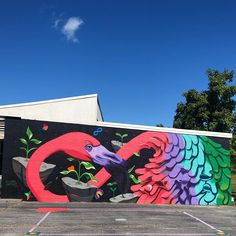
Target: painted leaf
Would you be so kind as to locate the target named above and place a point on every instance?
(31, 149)
(136, 154)
(23, 141)
(118, 134)
(36, 141)
(70, 159)
(91, 177)
(29, 133)
(113, 188)
(112, 184)
(87, 165)
(87, 177)
(28, 194)
(134, 179)
(64, 172)
(23, 148)
(124, 135)
(131, 169)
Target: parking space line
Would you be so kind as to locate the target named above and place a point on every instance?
(41, 220)
(127, 233)
(120, 219)
(203, 222)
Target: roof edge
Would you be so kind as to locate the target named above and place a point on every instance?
(48, 101)
(147, 128)
(100, 109)
(162, 129)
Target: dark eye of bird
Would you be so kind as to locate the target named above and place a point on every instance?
(88, 148)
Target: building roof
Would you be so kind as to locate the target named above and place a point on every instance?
(49, 101)
(72, 110)
(81, 110)
(166, 130)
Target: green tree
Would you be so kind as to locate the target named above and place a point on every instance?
(213, 109)
(233, 153)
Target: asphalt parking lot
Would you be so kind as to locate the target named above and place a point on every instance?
(34, 218)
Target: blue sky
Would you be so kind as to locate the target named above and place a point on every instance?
(138, 55)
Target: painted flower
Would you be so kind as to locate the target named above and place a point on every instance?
(70, 168)
(99, 193)
(45, 127)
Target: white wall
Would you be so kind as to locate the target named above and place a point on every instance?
(83, 109)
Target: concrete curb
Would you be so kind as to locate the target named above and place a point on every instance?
(5, 203)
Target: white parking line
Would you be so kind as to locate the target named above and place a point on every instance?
(203, 222)
(120, 219)
(127, 233)
(42, 219)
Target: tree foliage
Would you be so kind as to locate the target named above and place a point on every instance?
(213, 109)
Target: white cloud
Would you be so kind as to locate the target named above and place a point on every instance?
(70, 27)
(56, 23)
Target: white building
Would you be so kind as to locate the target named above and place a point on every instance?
(77, 110)
(81, 110)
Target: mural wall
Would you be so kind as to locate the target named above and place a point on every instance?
(58, 162)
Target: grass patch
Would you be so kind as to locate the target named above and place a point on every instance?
(234, 183)
(234, 186)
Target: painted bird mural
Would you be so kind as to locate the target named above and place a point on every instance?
(80, 146)
(184, 169)
(113, 164)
